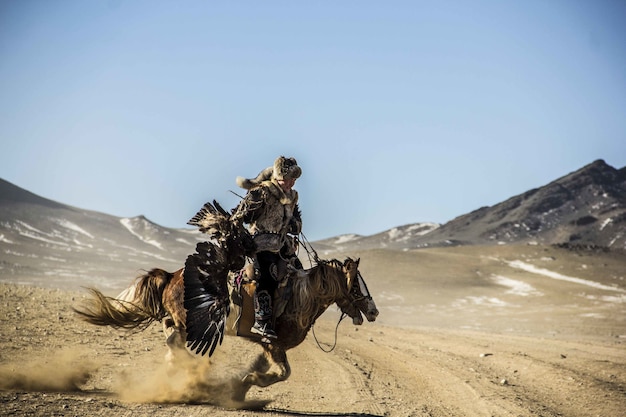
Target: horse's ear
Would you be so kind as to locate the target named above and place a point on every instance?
(350, 267)
(352, 264)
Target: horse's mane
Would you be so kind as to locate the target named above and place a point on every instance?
(314, 292)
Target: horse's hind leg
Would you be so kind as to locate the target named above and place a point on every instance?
(175, 342)
(268, 368)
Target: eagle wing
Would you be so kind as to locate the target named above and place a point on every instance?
(212, 219)
(206, 297)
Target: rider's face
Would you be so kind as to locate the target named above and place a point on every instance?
(286, 184)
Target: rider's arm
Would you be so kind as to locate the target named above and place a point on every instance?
(251, 207)
(295, 224)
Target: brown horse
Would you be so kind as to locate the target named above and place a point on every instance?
(195, 303)
(159, 295)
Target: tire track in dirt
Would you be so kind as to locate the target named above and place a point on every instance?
(426, 383)
(360, 372)
(549, 377)
(336, 385)
(448, 377)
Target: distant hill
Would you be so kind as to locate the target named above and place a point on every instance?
(400, 237)
(41, 237)
(584, 208)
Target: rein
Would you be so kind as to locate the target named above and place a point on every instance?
(343, 316)
(313, 257)
(311, 253)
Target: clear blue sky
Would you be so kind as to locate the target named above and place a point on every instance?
(398, 111)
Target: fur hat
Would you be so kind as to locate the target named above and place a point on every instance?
(283, 168)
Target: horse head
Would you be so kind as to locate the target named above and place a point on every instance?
(358, 300)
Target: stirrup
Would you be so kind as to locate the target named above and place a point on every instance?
(264, 330)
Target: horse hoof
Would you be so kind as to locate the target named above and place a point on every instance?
(239, 390)
(248, 379)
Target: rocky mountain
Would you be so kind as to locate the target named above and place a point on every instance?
(584, 208)
(41, 237)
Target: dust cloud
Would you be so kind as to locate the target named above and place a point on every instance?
(191, 380)
(63, 371)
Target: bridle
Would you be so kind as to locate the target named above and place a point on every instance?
(352, 298)
(365, 292)
(353, 303)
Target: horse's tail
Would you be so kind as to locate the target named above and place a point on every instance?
(138, 306)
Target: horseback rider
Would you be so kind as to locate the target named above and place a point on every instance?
(270, 208)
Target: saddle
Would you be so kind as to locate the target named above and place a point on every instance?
(243, 287)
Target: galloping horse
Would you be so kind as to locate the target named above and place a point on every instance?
(194, 302)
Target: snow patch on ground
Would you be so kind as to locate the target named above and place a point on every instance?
(31, 232)
(516, 287)
(482, 300)
(618, 299)
(185, 241)
(346, 238)
(69, 225)
(419, 229)
(4, 239)
(555, 275)
(55, 259)
(129, 226)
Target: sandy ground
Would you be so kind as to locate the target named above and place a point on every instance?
(52, 364)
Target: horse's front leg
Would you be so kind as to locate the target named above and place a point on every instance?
(269, 368)
(276, 370)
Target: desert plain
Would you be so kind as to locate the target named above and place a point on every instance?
(512, 330)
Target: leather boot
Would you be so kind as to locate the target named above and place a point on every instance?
(263, 315)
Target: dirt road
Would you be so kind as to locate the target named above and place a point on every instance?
(51, 364)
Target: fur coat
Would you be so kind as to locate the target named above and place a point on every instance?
(270, 210)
